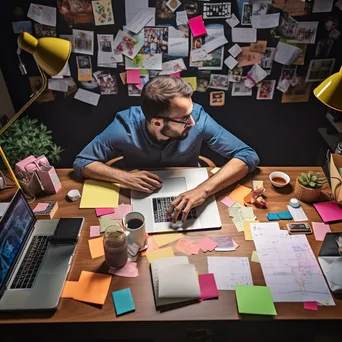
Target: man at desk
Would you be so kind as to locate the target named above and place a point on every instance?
(167, 130)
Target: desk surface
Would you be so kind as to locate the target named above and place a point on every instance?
(223, 309)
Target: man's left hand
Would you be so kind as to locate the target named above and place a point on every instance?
(185, 202)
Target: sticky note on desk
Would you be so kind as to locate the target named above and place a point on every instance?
(255, 257)
(207, 286)
(239, 193)
(197, 26)
(104, 211)
(320, 229)
(164, 239)
(40, 207)
(94, 231)
(133, 76)
(70, 288)
(247, 230)
(96, 247)
(254, 300)
(123, 301)
(166, 252)
(329, 211)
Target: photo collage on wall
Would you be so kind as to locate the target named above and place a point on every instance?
(218, 47)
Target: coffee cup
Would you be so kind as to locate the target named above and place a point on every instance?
(134, 223)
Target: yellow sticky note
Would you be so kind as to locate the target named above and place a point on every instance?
(247, 229)
(105, 222)
(166, 252)
(239, 193)
(164, 239)
(192, 81)
(255, 257)
(258, 184)
(215, 170)
(96, 247)
(97, 194)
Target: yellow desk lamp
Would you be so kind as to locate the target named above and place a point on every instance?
(330, 91)
(51, 56)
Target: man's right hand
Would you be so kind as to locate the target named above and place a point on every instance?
(143, 181)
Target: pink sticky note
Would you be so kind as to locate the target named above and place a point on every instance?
(121, 211)
(130, 270)
(194, 248)
(320, 229)
(207, 244)
(183, 246)
(197, 26)
(176, 74)
(104, 211)
(40, 207)
(227, 201)
(236, 245)
(329, 211)
(311, 306)
(133, 76)
(140, 85)
(207, 286)
(94, 231)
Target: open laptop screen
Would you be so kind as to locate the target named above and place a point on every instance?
(14, 228)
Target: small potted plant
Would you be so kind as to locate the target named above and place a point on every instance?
(308, 186)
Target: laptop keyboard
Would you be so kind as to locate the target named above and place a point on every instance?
(160, 206)
(30, 265)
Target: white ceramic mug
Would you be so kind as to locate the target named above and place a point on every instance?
(137, 234)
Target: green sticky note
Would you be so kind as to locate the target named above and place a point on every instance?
(254, 300)
(255, 257)
(123, 301)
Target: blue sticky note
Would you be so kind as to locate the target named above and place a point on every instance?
(123, 301)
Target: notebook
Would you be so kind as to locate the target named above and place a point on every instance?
(329, 211)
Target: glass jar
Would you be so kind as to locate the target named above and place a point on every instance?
(115, 247)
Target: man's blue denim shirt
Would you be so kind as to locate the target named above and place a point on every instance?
(127, 136)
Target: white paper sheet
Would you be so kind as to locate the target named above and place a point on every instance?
(265, 21)
(231, 62)
(230, 271)
(286, 53)
(214, 44)
(57, 85)
(134, 7)
(233, 21)
(172, 67)
(181, 18)
(153, 62)
(289, 267)
(283, 85)
(298, 214)
(321, 6)
(87, 97)
(139, 21)
(244, 35)
(235, 50)
(44, 15)
(256, 74)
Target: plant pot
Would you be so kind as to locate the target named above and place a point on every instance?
(306, 194)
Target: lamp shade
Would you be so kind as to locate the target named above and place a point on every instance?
(330, 91)
(51, 54)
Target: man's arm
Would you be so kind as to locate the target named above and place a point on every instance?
(136, 180)
(230, 173)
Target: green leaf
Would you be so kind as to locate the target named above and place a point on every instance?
(312, 184)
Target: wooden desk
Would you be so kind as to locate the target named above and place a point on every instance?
(90, 322)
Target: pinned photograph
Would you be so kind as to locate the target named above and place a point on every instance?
(44, 30)
(319, 69)
(218, 81)
(299, 93)
(235, 75)
(266, 59)
(83, 42)
(239, 89)
(163, 11)
(260, 9)
(22, 26)
(107, 82)
(288, 72)
(192, 8)
(173, 4)
(127, 45)
(76, 11)
(246, 14)
(203, 80)
(323, 47)
(266, 90)
(217, 10)
(36, 84)
(258, 46)
(155, 40)
(103, 12)
(84, 68)
(305, 32)
(217, 98)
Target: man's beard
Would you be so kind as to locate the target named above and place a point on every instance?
(173, 135)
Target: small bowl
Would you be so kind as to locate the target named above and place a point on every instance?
(281, 175)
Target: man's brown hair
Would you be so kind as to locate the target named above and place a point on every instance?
(157, 93)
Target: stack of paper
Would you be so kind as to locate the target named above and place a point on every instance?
(174, 281)
(240, 214)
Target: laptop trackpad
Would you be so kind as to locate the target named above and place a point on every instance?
(177, 185)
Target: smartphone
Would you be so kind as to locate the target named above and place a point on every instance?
(299, 228)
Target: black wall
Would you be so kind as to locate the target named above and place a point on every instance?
(282, 134)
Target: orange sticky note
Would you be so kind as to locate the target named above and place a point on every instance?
(152, 246)
(93, 287)
(96, 247)
(239, 193)
(70, 288)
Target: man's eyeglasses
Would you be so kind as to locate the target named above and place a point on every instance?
(184, 122)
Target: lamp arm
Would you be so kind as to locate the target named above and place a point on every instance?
(2, 154)
(33, 98)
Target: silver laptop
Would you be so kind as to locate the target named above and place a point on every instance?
(32, 270)
(175, 182)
